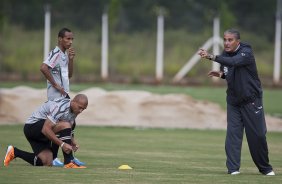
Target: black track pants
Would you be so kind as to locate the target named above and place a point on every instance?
(251, 117)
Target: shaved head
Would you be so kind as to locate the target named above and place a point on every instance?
(81, 98)
(79, 103)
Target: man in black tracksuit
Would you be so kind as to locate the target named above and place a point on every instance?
(244, 103)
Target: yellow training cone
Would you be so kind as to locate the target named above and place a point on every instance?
(124, 167)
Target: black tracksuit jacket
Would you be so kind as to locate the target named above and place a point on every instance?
(240, 71)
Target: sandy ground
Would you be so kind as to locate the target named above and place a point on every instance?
(125, 108)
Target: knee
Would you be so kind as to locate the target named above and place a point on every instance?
(47, 161)
(261, 134)
(61, 126)
(46, 157)
(261, 138)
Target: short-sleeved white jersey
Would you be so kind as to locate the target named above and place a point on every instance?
(57, 110)
(58, 65)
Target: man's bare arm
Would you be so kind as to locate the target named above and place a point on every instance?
(44, 68)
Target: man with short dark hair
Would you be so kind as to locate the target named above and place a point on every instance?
(244, 103)
(42, 127)
(58, 69)
(58, 66)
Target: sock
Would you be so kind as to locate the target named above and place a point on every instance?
(55, 149)
(65, 136)
(28, 157)
(73, 125)
(72, 129)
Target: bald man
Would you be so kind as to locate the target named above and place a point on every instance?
(50, 119)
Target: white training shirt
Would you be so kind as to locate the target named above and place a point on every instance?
(58, 62)
(57, 110)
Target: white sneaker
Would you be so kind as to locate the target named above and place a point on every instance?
(78, 162)
(271, 173)
(57, 163)
(235, 173)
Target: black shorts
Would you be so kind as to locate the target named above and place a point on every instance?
(37, 140)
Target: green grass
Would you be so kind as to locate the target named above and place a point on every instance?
(131, 55)
(156, 155)
(272, 97)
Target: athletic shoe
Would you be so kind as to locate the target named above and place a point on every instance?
(73, 165)
(78, 162)
(10, 155)
(235, 173)
(271, 173)
(57, 163)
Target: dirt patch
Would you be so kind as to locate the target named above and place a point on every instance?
(125, 108)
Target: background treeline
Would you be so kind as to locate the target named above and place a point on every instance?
(188, 24)
(132, 15)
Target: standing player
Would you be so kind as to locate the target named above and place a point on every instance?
(58, 69)
(244, 103)
(50, 124)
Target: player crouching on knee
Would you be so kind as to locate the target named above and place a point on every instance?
(52, 118)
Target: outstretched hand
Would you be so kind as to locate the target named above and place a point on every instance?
(215, 74)
(204, 54)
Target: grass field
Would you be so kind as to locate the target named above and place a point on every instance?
(165, 156)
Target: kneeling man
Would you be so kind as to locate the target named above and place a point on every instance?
(52, 118)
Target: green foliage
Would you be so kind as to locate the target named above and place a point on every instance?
(156, 155)
(22, 52)
(131, 55)
(253, 16)
(227, 18)
(87, 47)
(188, 24)
(131, 16)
